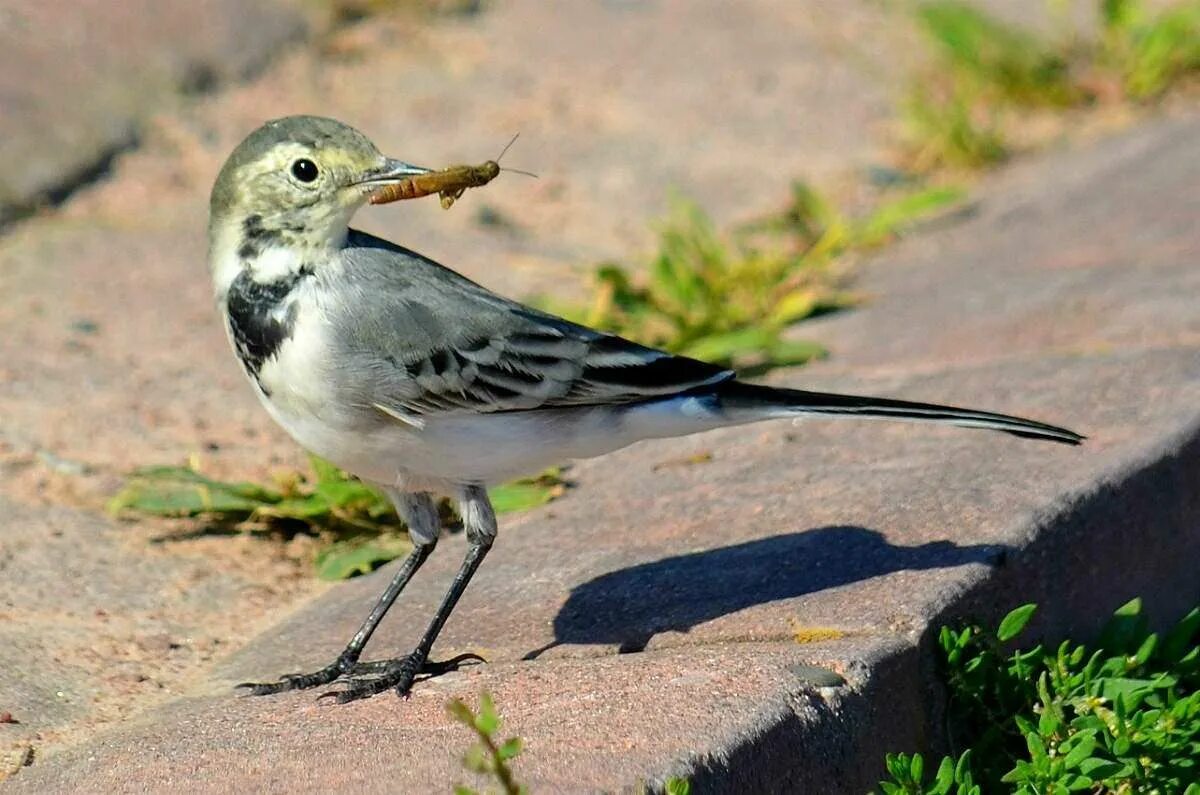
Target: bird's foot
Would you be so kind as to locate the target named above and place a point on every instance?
(368, 679)
(339, 667)
(360, 673)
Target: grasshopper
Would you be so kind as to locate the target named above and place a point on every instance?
(449, 183)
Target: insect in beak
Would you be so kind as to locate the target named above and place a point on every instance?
(448, 183)
(390, 173)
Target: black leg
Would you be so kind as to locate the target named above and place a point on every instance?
(420, 513)
(480, 522)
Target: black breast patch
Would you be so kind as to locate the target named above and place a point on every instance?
(257, 317)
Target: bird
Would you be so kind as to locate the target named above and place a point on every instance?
(423, 383)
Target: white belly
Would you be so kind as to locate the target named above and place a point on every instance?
(456, 449)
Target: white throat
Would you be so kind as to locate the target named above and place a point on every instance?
(267, 262)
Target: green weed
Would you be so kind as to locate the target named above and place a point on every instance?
(677, 786)
(1150, 52)
(986, 73)
(488, 757)
(1123, 716)
(946, 125)
(730, 298)
(358, 522)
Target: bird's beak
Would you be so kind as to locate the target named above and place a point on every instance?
(391, 172)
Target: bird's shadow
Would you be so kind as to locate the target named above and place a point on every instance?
(630, 606)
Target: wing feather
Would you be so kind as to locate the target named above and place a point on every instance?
(435, 342)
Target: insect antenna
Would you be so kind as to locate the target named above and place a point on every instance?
(507, 146)
(504, 151)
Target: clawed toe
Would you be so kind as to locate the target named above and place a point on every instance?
(371, 678)
(360, 690)
(433, 668)
(365, 679)
(430, 669)
(295, 681)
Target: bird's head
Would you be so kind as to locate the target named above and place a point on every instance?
(289, 190)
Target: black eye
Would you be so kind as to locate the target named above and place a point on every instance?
(304, 170)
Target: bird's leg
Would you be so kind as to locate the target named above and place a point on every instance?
(420, 514)
(479, 520)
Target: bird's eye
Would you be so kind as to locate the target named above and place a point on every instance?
(304, 170)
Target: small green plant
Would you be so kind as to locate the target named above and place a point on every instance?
(361, 529)
(1008, 62)
(959, 112)
(946, 125)
(730, 298)
(677, 786)
(488, 756)
(908, 776)
(1121, 717)
(1149, 51)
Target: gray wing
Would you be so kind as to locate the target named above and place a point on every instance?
(419, 339)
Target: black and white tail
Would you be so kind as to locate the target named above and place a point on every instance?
(760, 402)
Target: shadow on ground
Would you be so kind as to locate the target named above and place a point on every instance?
(630, 606)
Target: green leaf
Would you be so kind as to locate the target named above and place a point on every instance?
(893, 217)
(897, 765)
(962, 768)
(487, 720)
(944, 779)
(324, 471)
(1014, 622)
(1182, 637)
(1144, 651)
(346, 493)
(1081, 751)
(1048, 723)
(678, 786)
(309, 507)
(1076, 782)
(916, 768)
(182, 491)
(1100, 769)
(344, 559)
(787, 353)
(521, 495)
(727, 346)
(795, 306)
(1037, 749)
(1125, 629)
(509, 749)
(1128, 689)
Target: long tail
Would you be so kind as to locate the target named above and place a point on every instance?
(764, 401)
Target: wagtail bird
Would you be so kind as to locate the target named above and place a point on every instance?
(420, 381)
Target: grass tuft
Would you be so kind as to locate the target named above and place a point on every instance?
(357, 521)
(987, 75)
(730, 298)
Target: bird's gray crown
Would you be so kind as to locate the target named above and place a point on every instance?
(316, 133)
